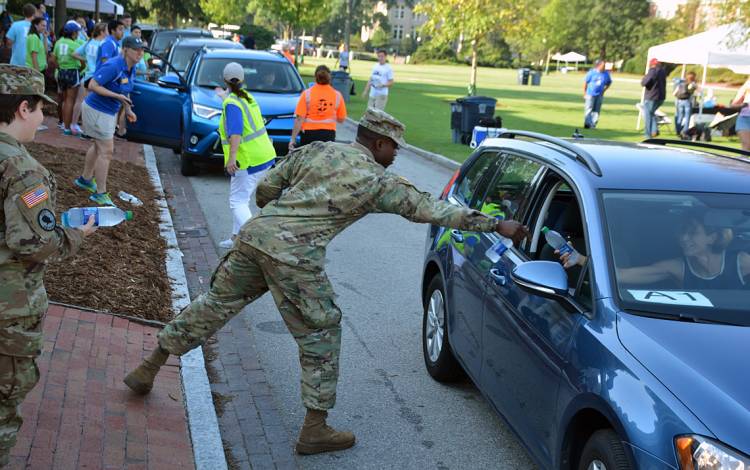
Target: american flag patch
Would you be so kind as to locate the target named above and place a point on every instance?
(35, 196)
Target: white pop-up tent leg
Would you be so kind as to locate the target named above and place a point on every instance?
(643, 98)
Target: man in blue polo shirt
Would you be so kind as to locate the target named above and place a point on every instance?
(108, 92)
(595, 84)
(111, 46)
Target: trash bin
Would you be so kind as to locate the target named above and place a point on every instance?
(456, 112)
(466, 114)
(342, 82)
(523, 76)
(536, 78)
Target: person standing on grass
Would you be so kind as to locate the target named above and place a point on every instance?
(285, 49)
(381, 80)
(342, 62)
(68, 73)
(742, 126)
(684, 94)
(655, 83)
(318, 110)
(16, 35)
(248, 152)
(596, 82)
(109, 90)
(87, 53)
(30, 236)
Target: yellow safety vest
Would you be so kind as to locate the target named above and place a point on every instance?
(255, 146)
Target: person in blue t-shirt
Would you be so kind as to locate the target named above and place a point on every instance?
(597, 81)
(108, 92)
(17, 33)
(127, 22)
(110, 47)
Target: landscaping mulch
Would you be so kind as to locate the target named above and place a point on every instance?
(119, 269)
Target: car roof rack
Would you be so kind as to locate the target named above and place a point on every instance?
(704, 145)
(579, 154)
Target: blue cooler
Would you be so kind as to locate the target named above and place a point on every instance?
(480, 133)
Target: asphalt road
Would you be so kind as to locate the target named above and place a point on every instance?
(402, 418)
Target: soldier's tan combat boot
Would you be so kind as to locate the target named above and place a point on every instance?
(141, 380)
(316, 436)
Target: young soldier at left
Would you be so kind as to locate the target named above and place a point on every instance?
(30, 237)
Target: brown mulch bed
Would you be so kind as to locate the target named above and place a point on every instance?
(119, 269)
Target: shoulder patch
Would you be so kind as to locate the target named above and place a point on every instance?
(35, 197)
(46, 220)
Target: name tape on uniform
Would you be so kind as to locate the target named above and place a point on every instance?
(671, 297)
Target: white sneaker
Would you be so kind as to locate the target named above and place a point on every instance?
(226, 244)
(76, 128)
(42, 128)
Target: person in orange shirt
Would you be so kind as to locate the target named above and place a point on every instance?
(319, 108)
(285, 50)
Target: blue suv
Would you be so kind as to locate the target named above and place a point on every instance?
(182, 112)
(636, 357)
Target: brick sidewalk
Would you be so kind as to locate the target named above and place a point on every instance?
(81, 415)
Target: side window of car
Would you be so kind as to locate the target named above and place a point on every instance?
(511, 189)
(480, 171)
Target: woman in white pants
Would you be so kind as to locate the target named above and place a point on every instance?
(248, 152)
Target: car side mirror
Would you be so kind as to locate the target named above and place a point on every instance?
(170, 81)
(544, 278)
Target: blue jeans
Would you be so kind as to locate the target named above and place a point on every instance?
(592, 107)
(682, 115)
(649, 108)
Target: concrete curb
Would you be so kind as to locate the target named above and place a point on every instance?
(208, 451)
(436, 158)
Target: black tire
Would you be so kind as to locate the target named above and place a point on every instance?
(187, 165)
(604, 446)
(445, 367)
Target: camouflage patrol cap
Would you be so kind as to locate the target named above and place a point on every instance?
(18, 80)
(384, 124)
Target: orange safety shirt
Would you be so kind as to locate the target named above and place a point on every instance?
(321, 106)
(289, 57)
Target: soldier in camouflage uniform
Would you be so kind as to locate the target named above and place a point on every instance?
(29, 238)
(306, 200)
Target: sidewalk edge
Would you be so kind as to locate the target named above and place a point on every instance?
(208, 451)
(436, 158)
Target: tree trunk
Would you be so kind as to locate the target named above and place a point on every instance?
(460, 43)
(61, 13)
(348, 26)
(96, 11)
(473, 80)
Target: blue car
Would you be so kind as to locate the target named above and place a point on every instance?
(182, 112)
(637, 355)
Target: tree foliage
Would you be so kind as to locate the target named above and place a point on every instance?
(292, 15)
(224, 11)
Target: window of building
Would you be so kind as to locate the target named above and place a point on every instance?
(398, 31)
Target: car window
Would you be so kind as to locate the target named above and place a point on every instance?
(260, 75)
(470, 182)
(180, 56)
(509, 192)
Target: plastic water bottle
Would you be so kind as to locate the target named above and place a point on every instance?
(127, 197)
(557, 241)
(498, 249)
(105, 216)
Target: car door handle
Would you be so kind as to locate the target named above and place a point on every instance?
(499, 278)
(457, 235)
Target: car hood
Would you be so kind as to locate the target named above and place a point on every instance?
(271, 104)
(703, 365)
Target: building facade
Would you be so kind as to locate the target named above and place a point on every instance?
(402, 20)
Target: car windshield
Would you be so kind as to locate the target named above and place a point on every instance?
(181, 57)
(260, 75)
(681, 255)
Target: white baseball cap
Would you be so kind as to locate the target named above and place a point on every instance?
(234, 71)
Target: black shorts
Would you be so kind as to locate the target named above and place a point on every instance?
(69, 78)
(86, 83)
(320, 135)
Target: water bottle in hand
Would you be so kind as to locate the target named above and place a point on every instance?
(498, 249)
(557, 241)
(104, 216)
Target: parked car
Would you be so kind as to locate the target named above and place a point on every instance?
(163, 39)
(639, 358)
(182, 50)
(182, 111)
(148, 30)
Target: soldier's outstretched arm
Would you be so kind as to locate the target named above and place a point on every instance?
(31, 227)
(398, 196)
(276, 180)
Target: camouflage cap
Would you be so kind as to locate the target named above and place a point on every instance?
(384, 124)
(18, 80)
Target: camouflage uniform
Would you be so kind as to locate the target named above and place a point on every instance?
(29, 238)
(307, 199)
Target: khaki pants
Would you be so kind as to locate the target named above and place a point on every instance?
(377, 102)
(304, 299)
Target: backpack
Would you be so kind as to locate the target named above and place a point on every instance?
(683, 92)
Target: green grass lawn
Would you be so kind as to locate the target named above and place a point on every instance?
(421, 95)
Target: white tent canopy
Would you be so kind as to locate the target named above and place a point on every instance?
(108, 7)
(569, 57)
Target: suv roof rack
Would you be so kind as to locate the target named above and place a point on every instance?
(579, 154)
(690, 143)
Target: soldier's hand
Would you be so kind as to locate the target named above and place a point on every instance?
(89, 228)
(513, 230)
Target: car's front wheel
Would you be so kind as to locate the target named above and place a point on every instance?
(187, 165)
(438, 357)
(604, 451)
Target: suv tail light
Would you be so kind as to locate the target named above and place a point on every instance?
(448, 186)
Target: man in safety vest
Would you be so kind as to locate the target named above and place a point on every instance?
(248, 152)
(319, 108)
